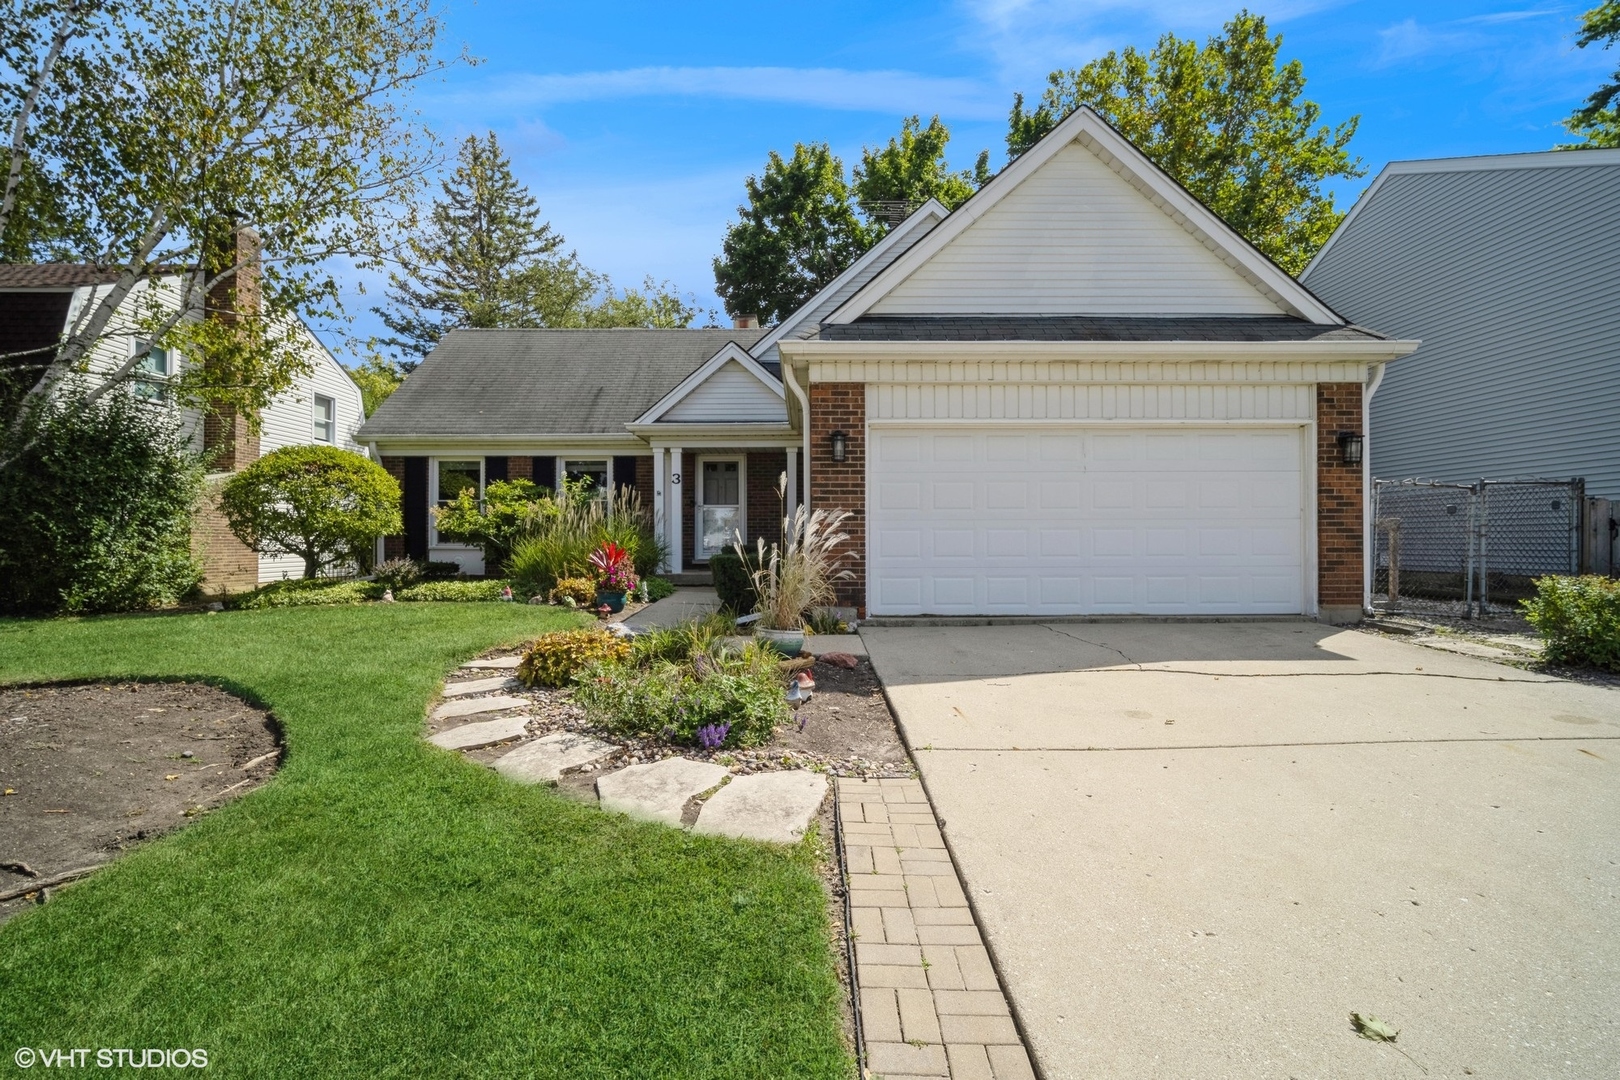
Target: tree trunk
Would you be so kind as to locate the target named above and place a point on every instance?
(312, 567)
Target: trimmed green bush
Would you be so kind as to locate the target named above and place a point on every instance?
(307, 592)
(1579, 618)
(581, 590)
(489, 589)
(554, 659)
(734, 581)
(658, 588)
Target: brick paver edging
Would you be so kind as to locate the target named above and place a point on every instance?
(930, 1002)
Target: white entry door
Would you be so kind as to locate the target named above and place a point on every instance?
(1060, 520)
(719, 504)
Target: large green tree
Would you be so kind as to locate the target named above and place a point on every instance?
(1227, 120)
(141, 132)
(1598, 121)
(797, 231)
(894, 179)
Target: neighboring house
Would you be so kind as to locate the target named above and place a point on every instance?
(1079, 393)
(38, 302)
(1507, 268)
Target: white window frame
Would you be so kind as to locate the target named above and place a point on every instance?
(698, 554)
(563, 464)
(158, 380)
(433, 498)
(330, 425)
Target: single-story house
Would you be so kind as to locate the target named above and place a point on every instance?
(40, 302)
(1079, 393)
(1505, 267)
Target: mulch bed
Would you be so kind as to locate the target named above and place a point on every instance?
(88, 771)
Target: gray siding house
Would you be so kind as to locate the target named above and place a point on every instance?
(1508, 270)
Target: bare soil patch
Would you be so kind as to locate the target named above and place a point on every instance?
(88, 771)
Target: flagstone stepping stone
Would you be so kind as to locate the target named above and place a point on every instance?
(481, 686)
(499, 663)
(544, 760)
(658, 792)
(474, 706)
(775, 806)
(483, 733)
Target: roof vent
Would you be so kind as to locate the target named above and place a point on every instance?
(745, 322)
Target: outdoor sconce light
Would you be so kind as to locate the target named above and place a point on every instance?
(1350, 447)
(840, 445)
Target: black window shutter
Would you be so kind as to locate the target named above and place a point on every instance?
(545, 472)
(624, 472)
(416, 507)
(494, 469)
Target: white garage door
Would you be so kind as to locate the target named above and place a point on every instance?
(1025, 521)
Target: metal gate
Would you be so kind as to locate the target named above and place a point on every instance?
(1459, 548)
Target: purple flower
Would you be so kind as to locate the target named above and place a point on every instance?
(713, 736)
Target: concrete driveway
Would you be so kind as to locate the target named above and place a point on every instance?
(1196, 848)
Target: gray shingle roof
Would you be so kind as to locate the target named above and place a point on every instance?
(544, 382)
(54, 275)
(1085, 328)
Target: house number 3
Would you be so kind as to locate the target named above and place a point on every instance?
(675, 478)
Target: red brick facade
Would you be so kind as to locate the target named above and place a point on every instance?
(228, 564)
(394, 546)
(761, 469)
(520, 468)
(1339, 502)
(842, 485)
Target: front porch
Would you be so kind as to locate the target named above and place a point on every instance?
(720, 491)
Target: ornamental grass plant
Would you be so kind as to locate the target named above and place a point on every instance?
(798, 574)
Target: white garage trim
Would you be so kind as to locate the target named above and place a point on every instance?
(969, 402)
(1261, 553)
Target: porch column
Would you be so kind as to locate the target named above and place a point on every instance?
(792, 479)
(677, 491)
(660, 478)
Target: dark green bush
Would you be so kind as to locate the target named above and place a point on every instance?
(733, 580)
(96, 508)
(440, 571)
(1579, 618)
(658, 588)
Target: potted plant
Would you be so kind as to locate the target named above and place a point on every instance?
(796, 575)
(615, 575)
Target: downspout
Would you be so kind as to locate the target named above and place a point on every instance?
(1368, 526)
(792, 383)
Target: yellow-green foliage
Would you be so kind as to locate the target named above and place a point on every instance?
(581, 590)
(554, 658)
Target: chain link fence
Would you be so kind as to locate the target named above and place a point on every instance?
(1461, 549)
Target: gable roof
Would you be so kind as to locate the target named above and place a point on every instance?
(1230, 254)
(544, 382)
(729, 403)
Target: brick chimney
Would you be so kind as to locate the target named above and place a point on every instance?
(237, 297)
(745, 322)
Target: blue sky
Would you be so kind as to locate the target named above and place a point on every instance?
(635, 124)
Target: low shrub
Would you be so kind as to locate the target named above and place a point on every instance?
(433, 570)
(734, 581)
(489, 589)
(307, 592)
(554, 659)
(398, 573)
(740, 693)
(1579, 618)
(657, 588)
(581, 590)
(824, 620)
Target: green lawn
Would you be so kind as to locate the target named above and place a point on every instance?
(382, 908)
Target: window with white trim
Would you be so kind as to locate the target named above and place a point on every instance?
(150, 380)
(325, 419)
(452, 476)
(596, 470)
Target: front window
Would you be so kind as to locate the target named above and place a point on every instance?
(325, 419)
(454, 477)
(152, 371)
(592, 471)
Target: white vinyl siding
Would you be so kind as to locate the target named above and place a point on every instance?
(731, 394)
(1069, 520)
(1076, 238)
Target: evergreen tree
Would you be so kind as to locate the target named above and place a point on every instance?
(484, 259)
(1226, 120)
(1598, 121)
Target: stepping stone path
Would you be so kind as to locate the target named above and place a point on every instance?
(474, 706)
(544, 760)
(482, 734)
(500, 663)
(480, 686)
(775, 806)
(658, 792)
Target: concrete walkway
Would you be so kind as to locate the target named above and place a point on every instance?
(687, 602)
(1194, 849)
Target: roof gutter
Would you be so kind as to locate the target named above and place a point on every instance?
(790, 379)
(1372, 350)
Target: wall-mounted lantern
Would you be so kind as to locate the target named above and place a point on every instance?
(1350, 447)
(840, 445)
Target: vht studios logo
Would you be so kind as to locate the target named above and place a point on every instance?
(27, 1057)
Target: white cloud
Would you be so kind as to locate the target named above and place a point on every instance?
(828, 88)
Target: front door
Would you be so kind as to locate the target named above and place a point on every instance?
(719, 504)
